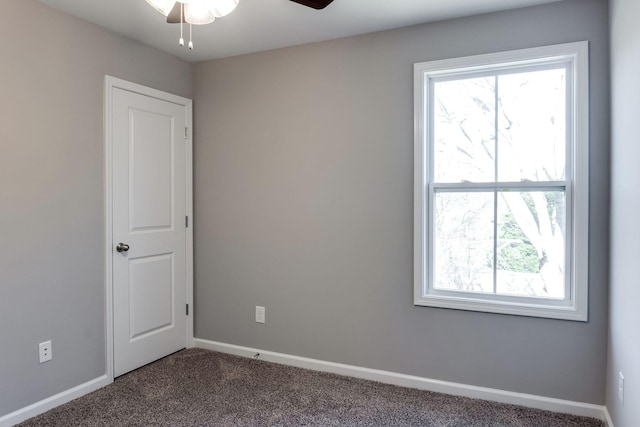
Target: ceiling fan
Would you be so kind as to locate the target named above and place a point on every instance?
(225, 7)
(201, 12)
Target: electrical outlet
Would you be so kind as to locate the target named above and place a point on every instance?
(45, 351)
(260, 313)
(621, 387)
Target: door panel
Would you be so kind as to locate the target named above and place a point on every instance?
(151, 160)
(151, 295)
(149, 207)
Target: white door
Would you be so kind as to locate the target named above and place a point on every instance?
(149, 176)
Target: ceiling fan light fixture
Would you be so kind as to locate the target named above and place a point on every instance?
(162, 6)
(193, 12)
(198, 12)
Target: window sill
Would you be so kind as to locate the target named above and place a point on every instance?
(549, 311)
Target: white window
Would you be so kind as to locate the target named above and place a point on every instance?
(501, 182)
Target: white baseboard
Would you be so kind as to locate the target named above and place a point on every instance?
(502, 396)
(607, 417)
(53, 401)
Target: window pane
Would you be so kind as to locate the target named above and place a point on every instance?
(531, 244)
(464, 241)
(532, 126)
(463, 130)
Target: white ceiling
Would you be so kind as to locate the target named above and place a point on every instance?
(258, 25)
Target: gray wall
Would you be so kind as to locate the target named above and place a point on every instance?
(303, 190)
(51, 191)
(624, 338)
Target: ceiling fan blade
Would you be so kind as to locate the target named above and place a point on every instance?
(174, 16)
(316, 4)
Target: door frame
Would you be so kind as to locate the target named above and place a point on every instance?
(111, 83)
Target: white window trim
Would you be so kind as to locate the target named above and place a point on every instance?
(575, 306)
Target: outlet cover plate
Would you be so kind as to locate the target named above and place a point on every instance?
(260, 314)
(45, 351)
(621, 387)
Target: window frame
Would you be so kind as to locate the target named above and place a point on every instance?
(576, 183)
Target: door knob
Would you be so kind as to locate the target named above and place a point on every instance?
(122, 247)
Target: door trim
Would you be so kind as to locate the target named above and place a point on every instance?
(111, 83)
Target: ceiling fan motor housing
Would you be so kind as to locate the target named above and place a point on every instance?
(316, 4)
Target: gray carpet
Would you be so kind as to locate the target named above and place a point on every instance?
(203, 388)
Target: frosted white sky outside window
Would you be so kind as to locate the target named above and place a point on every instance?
(502, 128)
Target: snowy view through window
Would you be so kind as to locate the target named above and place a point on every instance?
(499, 192)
